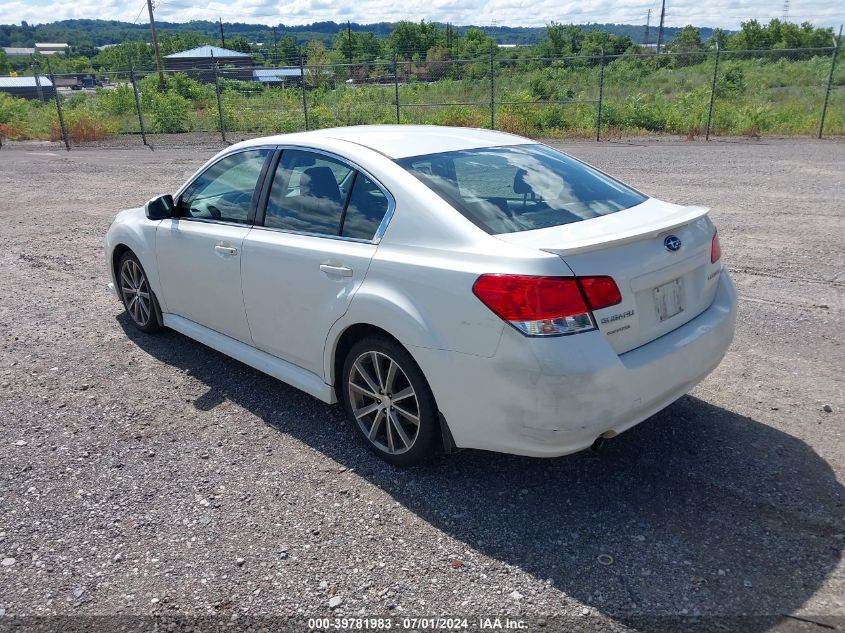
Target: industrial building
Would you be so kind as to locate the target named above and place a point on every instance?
(199, 63)
(27, 87)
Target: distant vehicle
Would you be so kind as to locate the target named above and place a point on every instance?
(447, 285)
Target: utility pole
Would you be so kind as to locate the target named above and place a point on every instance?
(660, 30)
(647, 25)
(222, 37)
(161, 83)
(349, 40)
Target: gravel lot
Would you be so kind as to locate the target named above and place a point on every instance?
(148, 474)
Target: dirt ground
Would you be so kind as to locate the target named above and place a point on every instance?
(150, 475)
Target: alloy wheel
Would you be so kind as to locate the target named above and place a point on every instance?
(136, 292)
(384, 402)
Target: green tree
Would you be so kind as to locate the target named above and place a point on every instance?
(317, 55)
(687, 41)
(180, 41)
(239, 43)
(345, 46)
(117, 57)
(813, 37)
(4, 63)
(720, 37)
(437, 62)
(596, 42)
(777, 34)
(561, 40)
(789, 36)
(411, 40)
(751, 36)
(475, 43)
(285, 52)
(371, 47)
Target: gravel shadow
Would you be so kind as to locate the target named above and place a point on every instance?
(699, 511)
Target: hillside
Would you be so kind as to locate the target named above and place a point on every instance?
(90, 33)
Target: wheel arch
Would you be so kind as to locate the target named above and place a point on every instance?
(131, 231)
(358, 331)
(117, 252)
(344, 342)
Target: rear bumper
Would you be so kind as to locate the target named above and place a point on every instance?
(550, 397)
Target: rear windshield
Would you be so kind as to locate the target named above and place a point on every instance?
(522, 187)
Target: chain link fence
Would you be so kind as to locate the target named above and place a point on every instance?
(700, 93)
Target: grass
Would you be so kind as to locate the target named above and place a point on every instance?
(754, 96)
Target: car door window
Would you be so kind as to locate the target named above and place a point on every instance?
(224, 191)
(308, 193)
(366, 209)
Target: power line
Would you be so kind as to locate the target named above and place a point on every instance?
(140, 11)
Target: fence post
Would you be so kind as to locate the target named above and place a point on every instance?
(219, 102)
(37, 76)
(492, 91)
(58, 105)
(829, 80)
(396, 85)
(601, 97)
(304, 99)
(712, 94)
(137, 103)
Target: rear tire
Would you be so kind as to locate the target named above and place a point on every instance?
(140, 302)
(388, 400)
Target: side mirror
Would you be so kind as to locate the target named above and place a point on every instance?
(160, 207)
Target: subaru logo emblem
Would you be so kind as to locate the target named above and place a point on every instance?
(672, 243)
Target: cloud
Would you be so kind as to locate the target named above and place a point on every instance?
(724, 13)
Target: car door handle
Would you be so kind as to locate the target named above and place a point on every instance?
(339, 271)
(226, 250)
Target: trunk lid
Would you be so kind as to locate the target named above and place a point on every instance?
(661, 288)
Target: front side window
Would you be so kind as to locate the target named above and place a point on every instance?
(225, 190)
(308, 193)
(520, 188)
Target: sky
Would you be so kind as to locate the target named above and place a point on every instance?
(721, 13)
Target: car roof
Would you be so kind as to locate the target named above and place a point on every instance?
(401, 141)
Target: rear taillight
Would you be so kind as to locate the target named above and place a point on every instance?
(601, 292)
(715, 248)
(546, 306)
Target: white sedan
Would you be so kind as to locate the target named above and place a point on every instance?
(451, 287)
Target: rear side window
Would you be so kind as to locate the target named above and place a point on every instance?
(367, 208)
(308, 193)
(224, 191)
(317, 194)
(519, 188)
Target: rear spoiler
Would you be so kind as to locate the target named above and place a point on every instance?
(651, 220)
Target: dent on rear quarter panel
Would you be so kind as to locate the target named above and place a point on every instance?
(431, 300)
(397, 309)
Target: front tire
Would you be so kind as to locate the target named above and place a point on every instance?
(137, 296)
(388, 400)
